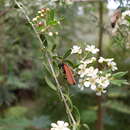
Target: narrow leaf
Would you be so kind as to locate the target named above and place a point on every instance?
(67, 54)
(119, 74)
(50, 84)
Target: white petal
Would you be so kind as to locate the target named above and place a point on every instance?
(66, 124)
(93, 87)
(53, 124)
(98, 93)
(86, 84)
(60, 123)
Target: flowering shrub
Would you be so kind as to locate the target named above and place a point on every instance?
(88, 72)
(121, 32)
(91, 72)
(45, 20)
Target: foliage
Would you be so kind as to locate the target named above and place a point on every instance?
(23, 70)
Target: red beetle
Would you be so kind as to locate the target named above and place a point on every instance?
(69, 74)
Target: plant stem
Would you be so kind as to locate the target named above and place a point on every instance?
(52, 69)
(100, 111)
(61, 93)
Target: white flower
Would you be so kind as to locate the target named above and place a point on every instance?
(56, 33)
(123, 18)
(82, 70)
(91, 82)
(103, 81)
(60, 125)
(34, 19)
(50, 33)
(81, 84)
(92, 49)
(91, 71)
(89, 61)
(99, 91)
(101, 60)
(112, 65)
(126, 13)
(109, 62)
(76, 49)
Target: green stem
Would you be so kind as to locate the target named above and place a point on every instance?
(61, 93)
(59, 88)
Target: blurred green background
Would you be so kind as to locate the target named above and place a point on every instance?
(26, 100)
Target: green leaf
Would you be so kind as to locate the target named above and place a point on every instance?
(52, 15)
(50, 19)
(38, 122)
(57, 57)
(88, 116)
(119, 74)
(56, 68)
(119, 82)
(69, 62)
(53, 47)
(67, 54)
(118, 106)
(117, 93)
(43, 38)
(16, 111)
(50, 84)
(15, 82)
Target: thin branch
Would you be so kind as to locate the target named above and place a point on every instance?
(51, 67)
(20, 5)
(61, 93)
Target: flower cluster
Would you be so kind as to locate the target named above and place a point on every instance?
(76, 49)
(124, 16)
(45, 20)
(89, 48)
(109, 61)
(60, 125)
(89, 75)
(123, 20)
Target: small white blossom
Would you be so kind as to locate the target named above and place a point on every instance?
(56, 33)
(126, 13)
(99, 91)
(109, 62)
(101, 60)
(81, 84)
(82, 70)
(60, 125)
(112, 65)
(91, 82)
(88, 61)
(34, 19)
(76, 49)
(92, 49)
(103, 82)
(123, 18)
(50, 33)
(91, 71)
